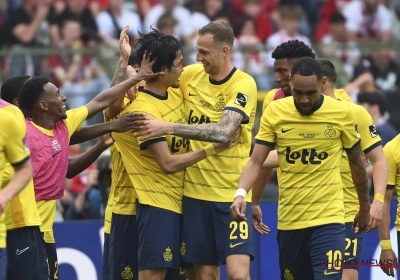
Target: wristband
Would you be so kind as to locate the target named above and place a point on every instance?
(380, 197)
(240, 192)
(386, 245)
(209, 149)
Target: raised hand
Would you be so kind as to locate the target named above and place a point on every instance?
(146, 68)
(125, 48)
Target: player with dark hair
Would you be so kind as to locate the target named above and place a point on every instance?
(219, 99)
(156, 166)
(48, 134)
(371, 146)
(308, 130)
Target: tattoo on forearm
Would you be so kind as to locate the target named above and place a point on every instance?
(212, 132)
(359, 173)
(119, 75)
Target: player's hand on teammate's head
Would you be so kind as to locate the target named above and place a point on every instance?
(258, 224)
(125, 122)
(376, 212)
(361, 221)
(389, 261)
(238, 209)
(146, 68)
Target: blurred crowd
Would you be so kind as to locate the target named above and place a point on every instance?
(75, 43)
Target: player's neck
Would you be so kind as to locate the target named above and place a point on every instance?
(330, 92)
(224, 72)
(156, 88)
(44, 121)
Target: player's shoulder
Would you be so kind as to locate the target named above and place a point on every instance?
(193, 69)
(341, 94)
(394, 145)
(282, 104)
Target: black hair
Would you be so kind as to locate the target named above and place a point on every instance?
(31, 91)
(307, 66)
(292, 49)
(10, 88)
(373, 98)
(221, 31)
(328, 70)
(337, 18)
(163, 48)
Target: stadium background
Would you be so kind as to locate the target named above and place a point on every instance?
(80, 242)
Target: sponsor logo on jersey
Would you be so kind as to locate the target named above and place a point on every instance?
(306, 156)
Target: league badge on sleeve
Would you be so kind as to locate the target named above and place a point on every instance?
(241, 99)
(357, 132)
(372, 130)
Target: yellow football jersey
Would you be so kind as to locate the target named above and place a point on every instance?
(122, 197)
(309, 151)
(154, 187)
(369, 141)
(269, 98)
(13, 150)
(21, 211)
(216, 178)
(392, 153)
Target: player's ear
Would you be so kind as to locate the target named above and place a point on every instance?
(42, 105)
(324, 84)
(225, 51)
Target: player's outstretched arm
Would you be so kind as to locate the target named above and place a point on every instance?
(121, 124)
(247, 179)
(360, 180)
(22, 176)
(219, 132)
(78, 164)
(388, 257)
(380, 178)
(173, 163)
(110, 96)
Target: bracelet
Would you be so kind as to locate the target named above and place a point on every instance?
(209, 149)
(240, 192)
(380, 197)
(386, 245)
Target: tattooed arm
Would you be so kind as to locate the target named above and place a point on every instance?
(360, 180)
(219, 132)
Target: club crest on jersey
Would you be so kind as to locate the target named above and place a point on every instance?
(372, 130)
(168, 255)
(330, 132)
(127, 273)
(220, 105)
(56, 145)
(241, 99)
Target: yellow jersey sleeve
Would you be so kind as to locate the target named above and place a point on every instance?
(15, 148)
(75, 118)
(266, 135)
(243, 98)
(143, 107)
(269, 98)
(370, 138)
(350, 132)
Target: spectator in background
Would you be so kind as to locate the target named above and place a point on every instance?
(29, 26)
(112, 20)
(249, 58)
(183, 31)
(77, 75)
(78, 10)
(94, 5)
(368, 19)
(167, 23)
(144, 6)
(337, 43)
(289, 30)
(3, 9)
(375, 104)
